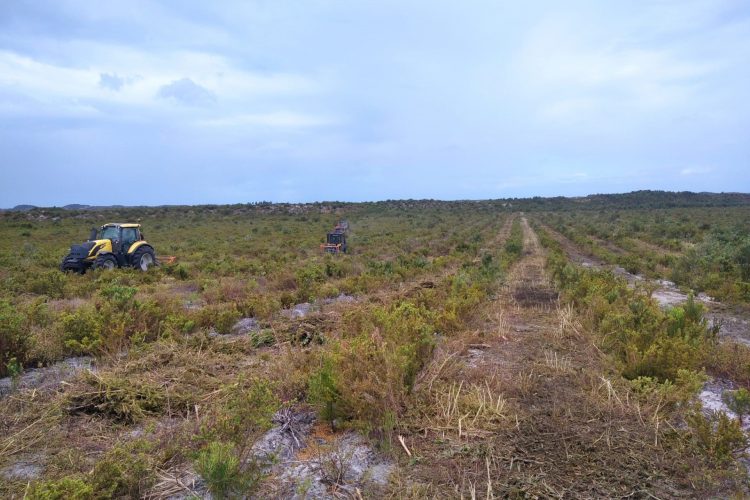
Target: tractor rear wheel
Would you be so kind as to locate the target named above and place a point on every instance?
(106, 262)
(143, 258)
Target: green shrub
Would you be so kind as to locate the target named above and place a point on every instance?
(67, 488)
(125, 471)
(119, 295)
(514, 244)
(323, 391)
(82, 330)
(309, 276)
(716, 436)
(219, 466)
(50, 283)
(180, 271)
(263, 338)
(13, 336)
(682, 390)
(247, 410)
(219, 317)
(737, 401)
(644, 339)
(370, 372)
(14, 369)
(177, 324)
(263, 305)
(225, 320)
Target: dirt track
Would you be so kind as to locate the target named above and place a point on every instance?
(562, 432)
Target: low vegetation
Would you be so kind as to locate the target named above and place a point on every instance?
(454, 331)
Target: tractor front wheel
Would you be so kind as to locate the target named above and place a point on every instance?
(143, 258)
(106, 262)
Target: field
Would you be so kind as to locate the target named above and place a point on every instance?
(511, 348)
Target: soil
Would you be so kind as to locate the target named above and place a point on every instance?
(49, 377)
(306, 459)
(734, 324)
(559, 430)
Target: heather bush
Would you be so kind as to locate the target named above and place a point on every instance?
(14, 342)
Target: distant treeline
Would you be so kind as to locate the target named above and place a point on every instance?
(637, 199)
(624, 201)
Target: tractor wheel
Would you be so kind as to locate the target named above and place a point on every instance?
(106, 262)
(71, 269)
(143, 258)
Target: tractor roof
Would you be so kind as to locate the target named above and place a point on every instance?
(120, 224)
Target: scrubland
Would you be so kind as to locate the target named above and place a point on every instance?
(459, 345)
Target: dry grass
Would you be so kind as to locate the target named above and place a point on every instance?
(515, 401)
(562, 425)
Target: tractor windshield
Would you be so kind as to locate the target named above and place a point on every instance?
(110, 233)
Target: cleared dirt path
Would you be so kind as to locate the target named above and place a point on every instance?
(530, 409)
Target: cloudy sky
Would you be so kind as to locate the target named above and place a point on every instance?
(146, 102)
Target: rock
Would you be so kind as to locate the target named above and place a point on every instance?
(349, 458)
(298, 311)
(245, 326)
(279, 443)
(23, 470)
(49, 376)
(341, 298)
(304, 464)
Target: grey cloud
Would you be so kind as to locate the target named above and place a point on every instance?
(112, 82)
(188, 92)
(424, 100)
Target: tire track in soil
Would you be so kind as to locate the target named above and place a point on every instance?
(565, 433)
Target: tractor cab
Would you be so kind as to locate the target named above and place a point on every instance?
(121, 237)
(335, 242)
(112, 245)
(336, 239)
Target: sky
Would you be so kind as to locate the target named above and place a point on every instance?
(189, 102)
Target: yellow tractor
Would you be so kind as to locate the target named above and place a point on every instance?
(111, 246)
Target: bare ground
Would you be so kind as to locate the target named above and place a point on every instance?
(734, 322)
(523, 406)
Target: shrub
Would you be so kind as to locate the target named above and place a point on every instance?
(67, 488)
(13, 337)
(82, 330)
(645, 340)
(324, 392)
(513, 247)
(225, 320)
(13, 368)
(262, 305)
(248, 409)
(180, 271)
(716, 436)
(176, 324)
(309, 276)
(220, 317)
(51, 283)
(737, 401)
(370, 373)
(119, 295)
(219, 466)
(124, 472)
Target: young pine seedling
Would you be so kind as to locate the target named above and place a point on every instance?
(738, 401)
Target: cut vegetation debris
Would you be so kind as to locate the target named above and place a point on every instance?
(463, 349)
